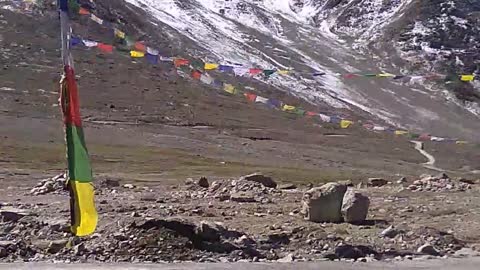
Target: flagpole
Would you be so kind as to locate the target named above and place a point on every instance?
(83, 214)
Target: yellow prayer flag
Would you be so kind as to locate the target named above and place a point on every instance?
(461, 142)
(210, 66)
(229, 88)
(385, 75)
(401, 132)
(119, 33)
(345, 123)
(137, 54)
(283, 71)
(288, 108)
(467, 78)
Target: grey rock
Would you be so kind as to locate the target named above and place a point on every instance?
(260, 178)
(203, 182)
(242, 196)
(324, 204)
(286, 186)
(354, 252)
(389, 232)
(129, 186)
(287, 259)
(56, 246)
(355, 207)
(5, 244)
(428, 249)
(3, 252)
(8, 214)
(402, 180)
(376, 182)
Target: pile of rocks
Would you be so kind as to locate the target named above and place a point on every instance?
(438, 183)
(250, 188)
(50, 185)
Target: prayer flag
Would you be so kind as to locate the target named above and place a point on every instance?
(229, 88)
(299, 111)
(310, 114)
(255, 71)
(210, 66)
(324, 118)
(119, 33)
(345, 123)
(166, 59)
(197, 64)
(385, 75)
(274, 103)
(83, 11)
(153, 59)
(74, 41)
(467, 78)
(250, 97)
(196, 74)
(180, 62)
(139, 46)
(461, 142)
(152, 51)
(137, 54)
(425, 137)
(283, 72)
(90, 43)
(224, 68)
(240, 71)
(96, 19)
(84, 214)
(206, 79)
(268, 72)
(401, 132)
(288, 108)
(260, 99)
(105, 47)
(335, 119)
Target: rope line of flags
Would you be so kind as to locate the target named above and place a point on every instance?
(187, 68)
(142, 50)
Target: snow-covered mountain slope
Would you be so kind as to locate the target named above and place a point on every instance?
(336, 37)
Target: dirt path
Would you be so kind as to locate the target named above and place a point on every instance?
(430, 164)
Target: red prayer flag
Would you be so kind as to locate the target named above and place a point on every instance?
(83, 11)
(139, 46)
(196, 74)
(350, 75)
(255, 71)
(72, 111)
(425, 137)
(251, 97)
(311, 114)
(180, 62)
(105, 47)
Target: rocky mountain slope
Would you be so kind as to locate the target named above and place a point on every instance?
(338, 37)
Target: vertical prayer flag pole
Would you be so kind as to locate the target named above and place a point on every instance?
(83, 214)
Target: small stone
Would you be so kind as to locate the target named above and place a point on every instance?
(467, 181)
(442, 176)
(260, 178)
(363, 259)
(12, 214)
(402, 180)
(56, 245)
(287, 186)
(389, 232)
(428, 249)
(203, 182)
(287, 259)
(242, 196)
(129, 186)
(376, 182)
(412, 187)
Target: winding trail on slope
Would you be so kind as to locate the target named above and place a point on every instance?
(430, 164)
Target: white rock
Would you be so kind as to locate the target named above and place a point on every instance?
(355, 207)
(324, 204)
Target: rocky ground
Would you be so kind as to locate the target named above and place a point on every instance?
(250, 218)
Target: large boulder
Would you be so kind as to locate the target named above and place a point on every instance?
(355, 207)
(260, 178)
(324, 204)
